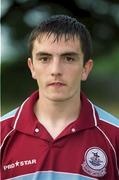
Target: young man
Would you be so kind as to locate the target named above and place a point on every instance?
(57, 133)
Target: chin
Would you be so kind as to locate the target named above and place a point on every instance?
(59, 98)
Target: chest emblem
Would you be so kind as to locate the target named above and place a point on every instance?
(95, 162)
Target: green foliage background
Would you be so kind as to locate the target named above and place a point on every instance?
(101, 17)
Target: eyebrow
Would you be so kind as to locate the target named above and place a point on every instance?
(70, 54)
(41, 53)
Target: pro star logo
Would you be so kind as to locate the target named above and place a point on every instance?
(95, 162)
(19, 164)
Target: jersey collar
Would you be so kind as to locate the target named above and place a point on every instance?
(27, 122)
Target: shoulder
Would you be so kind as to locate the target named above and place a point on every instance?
(107, 117)
(108, 125)
(9, 115)
(6, 123)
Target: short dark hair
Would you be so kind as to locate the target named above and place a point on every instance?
(63, 25)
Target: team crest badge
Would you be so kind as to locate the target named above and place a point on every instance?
(95, 162)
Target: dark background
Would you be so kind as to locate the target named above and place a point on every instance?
(101, 17)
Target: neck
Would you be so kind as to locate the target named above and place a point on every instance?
(55, 111)
(56, 116)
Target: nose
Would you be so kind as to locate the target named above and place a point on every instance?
(56, 68)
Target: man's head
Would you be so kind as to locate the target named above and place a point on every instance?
(62, 25)
(59, 47)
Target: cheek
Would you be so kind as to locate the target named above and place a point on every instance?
(76, 74)
(74, 77)
(38, 71)
(40, 77)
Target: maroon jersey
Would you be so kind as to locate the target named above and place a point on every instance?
(86, 149)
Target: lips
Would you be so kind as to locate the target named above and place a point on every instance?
(57, 84)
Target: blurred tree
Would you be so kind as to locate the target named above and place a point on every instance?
(19, 17)
(100, 16)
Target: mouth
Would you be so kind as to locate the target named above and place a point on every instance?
(56, 84)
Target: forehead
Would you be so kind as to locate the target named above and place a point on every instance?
(62, 43)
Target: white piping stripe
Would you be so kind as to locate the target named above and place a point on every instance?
(14, 124)
(6, 138)
(19, 113)
(95, 120)
(111, 147)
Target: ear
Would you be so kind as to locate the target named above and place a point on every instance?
(87, 69)
(31, 67)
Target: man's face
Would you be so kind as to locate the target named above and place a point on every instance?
(58, 67)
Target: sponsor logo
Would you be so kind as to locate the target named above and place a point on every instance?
(95, 162)
(19, 164)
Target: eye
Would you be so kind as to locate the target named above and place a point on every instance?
(69, 59)
(43, 59)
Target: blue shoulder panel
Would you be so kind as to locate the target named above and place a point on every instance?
(9, 115)
(51, 175)
(107, 117)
